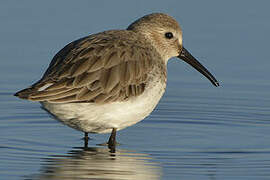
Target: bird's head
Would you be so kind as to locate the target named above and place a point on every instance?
(165, 35)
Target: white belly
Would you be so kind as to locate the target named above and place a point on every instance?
(101, 118)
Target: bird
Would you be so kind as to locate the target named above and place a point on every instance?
(111, 80)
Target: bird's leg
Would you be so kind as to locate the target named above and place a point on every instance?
(112, 140)
(86, 138)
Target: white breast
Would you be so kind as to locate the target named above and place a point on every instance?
(101, 118)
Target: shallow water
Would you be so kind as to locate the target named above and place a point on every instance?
(196, 132)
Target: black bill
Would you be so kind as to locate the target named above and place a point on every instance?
(187, 57)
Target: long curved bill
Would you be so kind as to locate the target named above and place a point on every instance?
(187, 57)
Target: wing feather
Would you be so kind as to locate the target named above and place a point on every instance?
(112, 60)
(56, 96)
(48, 93)
(86, 78)
(79, 67)
(99, 68)
(67, 99)
(88, 95)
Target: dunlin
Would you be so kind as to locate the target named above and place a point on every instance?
(111, 80)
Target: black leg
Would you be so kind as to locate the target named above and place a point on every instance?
(86, 138)
(112, 140)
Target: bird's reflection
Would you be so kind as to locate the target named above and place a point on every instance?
(99, 163)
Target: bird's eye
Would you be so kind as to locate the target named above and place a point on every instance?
(169, 35)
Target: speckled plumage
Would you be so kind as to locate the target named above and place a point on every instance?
(105, 67)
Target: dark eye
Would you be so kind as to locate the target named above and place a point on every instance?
(169, 35)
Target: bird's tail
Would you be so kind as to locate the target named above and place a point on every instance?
(25, 93)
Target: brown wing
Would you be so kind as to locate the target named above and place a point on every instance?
(100, 68)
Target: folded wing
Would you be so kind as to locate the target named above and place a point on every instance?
(99, 68)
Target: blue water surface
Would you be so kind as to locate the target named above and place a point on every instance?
(196, 132)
